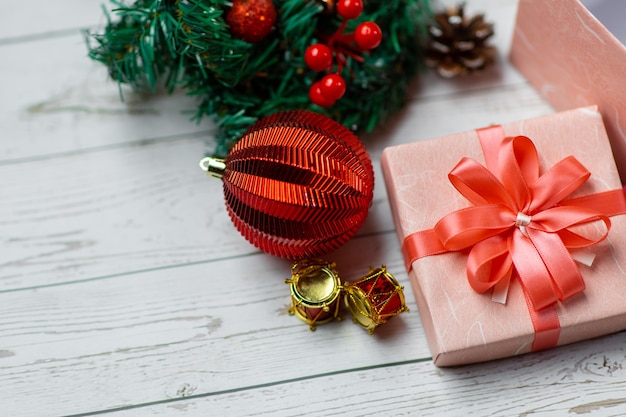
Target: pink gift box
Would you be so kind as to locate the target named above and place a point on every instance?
(573, 60)
(463, 326)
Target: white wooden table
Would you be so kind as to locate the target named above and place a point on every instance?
(125, 290)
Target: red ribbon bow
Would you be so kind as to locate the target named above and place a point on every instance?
(520, 219)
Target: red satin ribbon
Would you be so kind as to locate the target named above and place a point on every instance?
(520, 221)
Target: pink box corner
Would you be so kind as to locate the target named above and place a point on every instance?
(461, 325)
(573, 60)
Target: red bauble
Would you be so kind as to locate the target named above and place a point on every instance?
(251, 20)
(298, 184)
(368, 35)
(317, 97)
(333, 87)
(349, 9)
(318, 57)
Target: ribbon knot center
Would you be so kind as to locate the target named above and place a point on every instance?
(522, 220)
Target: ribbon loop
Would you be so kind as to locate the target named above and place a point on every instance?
(478, 184)
(557, 183)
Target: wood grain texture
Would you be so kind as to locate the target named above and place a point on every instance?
(587, 379)
(213, 324)
(66, 104)
(143, 205)
(125, 290)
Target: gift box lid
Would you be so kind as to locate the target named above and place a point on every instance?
(573, 60)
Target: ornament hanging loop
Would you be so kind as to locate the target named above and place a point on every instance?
(214, 167)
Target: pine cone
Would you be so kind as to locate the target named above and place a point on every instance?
(457, 44)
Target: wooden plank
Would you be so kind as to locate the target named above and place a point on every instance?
(214, 326)
(434, 117)
(581, 379)
(111, 212)
(129, 208)
(76, 107)
(23, 21)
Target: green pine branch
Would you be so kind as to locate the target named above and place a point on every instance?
(187, 44)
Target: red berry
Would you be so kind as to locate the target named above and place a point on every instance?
(333, 87)
(318, 57)
(368, 35)
(316, 96)
(349, 9)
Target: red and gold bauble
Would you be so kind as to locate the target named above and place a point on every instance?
(374, 299)
(251, 20)
(315, 291)
(297, 184)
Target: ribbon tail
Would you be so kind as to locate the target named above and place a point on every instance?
(582, 256)
(532, 272)
(539, 292)
(501, 290)
(558, 261)
(545, 323)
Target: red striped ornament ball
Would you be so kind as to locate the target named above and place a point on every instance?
(298, 184)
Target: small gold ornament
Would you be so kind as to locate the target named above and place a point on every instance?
(315, 289)
(374, 299)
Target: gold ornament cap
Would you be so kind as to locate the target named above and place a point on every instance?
(213, 166)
